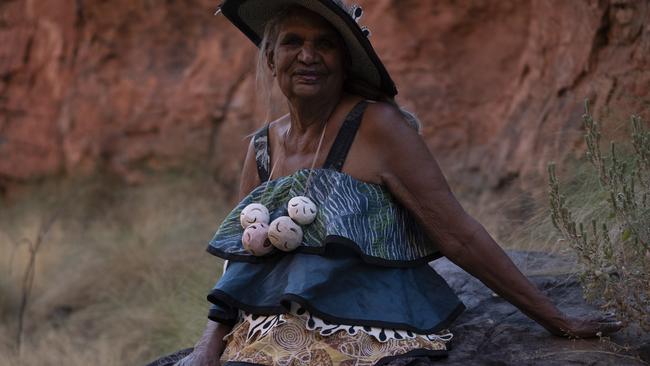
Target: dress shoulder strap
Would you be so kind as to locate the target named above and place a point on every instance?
(338, 152)
(345, 137)
(262, 153)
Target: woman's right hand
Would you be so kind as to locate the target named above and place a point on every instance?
(199, 358)
(209, 348)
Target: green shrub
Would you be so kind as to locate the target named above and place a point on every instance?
(613, 248)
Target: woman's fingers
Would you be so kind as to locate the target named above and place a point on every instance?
(594, 326)
(605, 318)
(610, 326)
(196, 360)
(608, 323)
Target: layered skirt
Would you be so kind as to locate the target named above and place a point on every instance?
(334, 309)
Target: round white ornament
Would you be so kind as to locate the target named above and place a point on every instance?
(285, 234)
(302, 210)
(254, 213)
(255, 239)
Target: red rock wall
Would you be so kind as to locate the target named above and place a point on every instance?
(132, 86)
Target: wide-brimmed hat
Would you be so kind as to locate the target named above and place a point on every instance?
(251, 16)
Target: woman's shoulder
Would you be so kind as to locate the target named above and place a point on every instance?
(278, 126)
(377, 142)
(269, 128)
(384, 117)
(384, 123)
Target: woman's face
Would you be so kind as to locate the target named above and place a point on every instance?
(307, 58)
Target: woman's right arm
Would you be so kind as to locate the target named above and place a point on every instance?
(209, 348)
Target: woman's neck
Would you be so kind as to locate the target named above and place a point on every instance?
(309, 116)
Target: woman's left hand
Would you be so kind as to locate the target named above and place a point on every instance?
(589, 327)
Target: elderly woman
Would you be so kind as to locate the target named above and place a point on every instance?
(342, 207)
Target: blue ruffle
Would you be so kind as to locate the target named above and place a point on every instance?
(339, 288)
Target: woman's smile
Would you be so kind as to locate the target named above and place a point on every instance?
(308, 77)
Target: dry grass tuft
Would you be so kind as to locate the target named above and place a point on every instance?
(121, 276)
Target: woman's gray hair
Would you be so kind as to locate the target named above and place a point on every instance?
(264, 78)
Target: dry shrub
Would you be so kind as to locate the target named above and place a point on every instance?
(614, 246)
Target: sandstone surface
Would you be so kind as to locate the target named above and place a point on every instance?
(136, 86)
(493, 332)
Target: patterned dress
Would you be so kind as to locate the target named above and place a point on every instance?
(358, 291)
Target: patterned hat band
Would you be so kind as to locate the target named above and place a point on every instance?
(356, 12)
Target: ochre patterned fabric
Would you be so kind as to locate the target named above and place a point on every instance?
(291, 344)
(262, 324)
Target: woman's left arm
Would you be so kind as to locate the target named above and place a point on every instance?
(413, 176)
